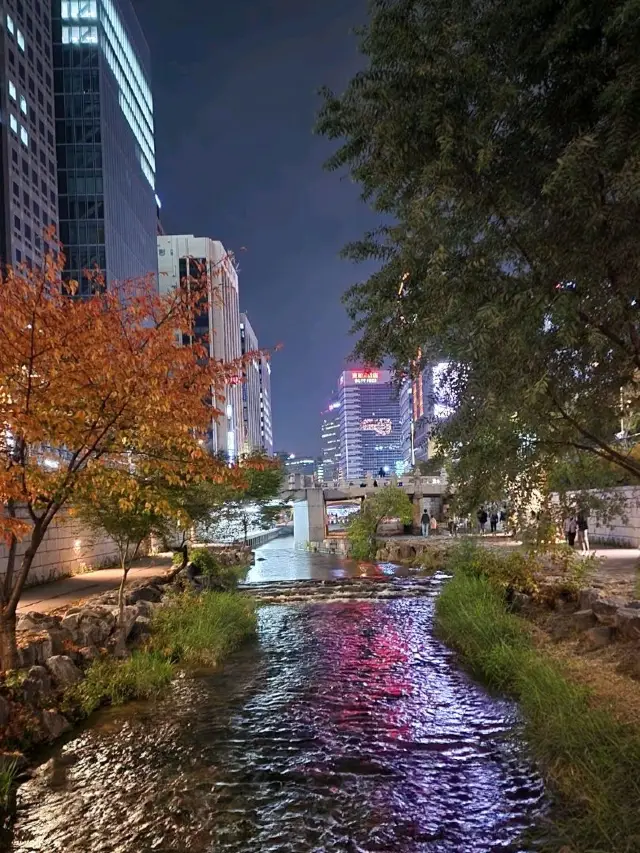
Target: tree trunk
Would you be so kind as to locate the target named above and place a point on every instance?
(121, 642)
(8, 647)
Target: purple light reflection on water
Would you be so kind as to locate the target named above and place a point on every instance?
(349, 729)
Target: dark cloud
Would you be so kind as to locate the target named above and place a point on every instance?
(235, 98)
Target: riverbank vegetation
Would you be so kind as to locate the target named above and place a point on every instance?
(589, 756)
(188, 630)
(387, 502)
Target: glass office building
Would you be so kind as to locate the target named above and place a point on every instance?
(105, 140)
(370, 425)
(28, 191)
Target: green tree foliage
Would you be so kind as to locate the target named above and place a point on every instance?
(499, 142)
(253, 505)
(387, 502)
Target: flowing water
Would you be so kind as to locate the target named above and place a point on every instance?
(346, 727)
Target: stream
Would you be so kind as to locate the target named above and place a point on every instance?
(347, 726)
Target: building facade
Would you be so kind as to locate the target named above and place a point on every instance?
(266, 422)
(331, 442)
(370, 428)
(182, 256)
(251, 404)
(416, 417)
(105, 141)
(28, 183)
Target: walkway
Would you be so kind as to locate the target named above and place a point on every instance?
(67, 591)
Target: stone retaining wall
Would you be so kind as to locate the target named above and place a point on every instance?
(68, 548)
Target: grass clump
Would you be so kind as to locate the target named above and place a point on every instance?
(210, 566)
(590, 758)
(201, 629)
(8, 771)
(110, 681)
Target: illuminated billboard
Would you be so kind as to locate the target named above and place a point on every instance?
(364, 377)
(381, 426)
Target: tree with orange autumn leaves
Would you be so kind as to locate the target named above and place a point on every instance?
(89, 384)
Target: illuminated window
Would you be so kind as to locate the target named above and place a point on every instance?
(23, 104)
(79, 35)
(79, 10)
(20, 40)
(13, 121)
(10, 25)
(13, 94)
(24, 136)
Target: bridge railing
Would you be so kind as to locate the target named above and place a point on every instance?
(298, 482)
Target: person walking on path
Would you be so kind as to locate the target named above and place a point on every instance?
(433, 524)
(583, 532)
(494, 522)
(482, 519)
(424, 523)
(570, 528)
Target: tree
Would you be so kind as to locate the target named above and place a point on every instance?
(387, 502)
(255, 503)
(500, 143)
(129, 509)
(84, 382)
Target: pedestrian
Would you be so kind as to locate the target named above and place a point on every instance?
(570, 528)
(494, 522)
(424, 523)
(482, 519)
(453, 527)
(583, 532)
(433, 524)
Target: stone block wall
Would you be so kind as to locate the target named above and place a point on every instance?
(624, 530)
(67, 549)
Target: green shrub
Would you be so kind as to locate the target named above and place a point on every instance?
(203, 628)
(590, 759)
(210, 566)
(110, 681)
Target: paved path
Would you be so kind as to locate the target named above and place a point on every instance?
(66, 591)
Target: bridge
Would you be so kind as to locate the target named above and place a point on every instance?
(320, 510)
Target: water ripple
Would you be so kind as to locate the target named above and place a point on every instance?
(348, 729)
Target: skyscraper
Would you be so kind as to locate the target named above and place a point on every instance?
(370, 433)
(105, 140)
(331, 442)
(28, 187)
(416, 416)
(266, 422)
(180, 256)
(251, 414)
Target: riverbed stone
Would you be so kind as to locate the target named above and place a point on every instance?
(145, 593)
(5, 711)
(583, 620)
(628, 623)
(587, 597)
(605, 609)
(37, 685)
(597, 638)
(64, 671)
(54, 724)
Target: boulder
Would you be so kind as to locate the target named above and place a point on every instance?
(34, 650)
(64, 671)
(628, 623)
(5, 711)
(54, 724)
(145, 593)
(145, 608)
(583, 620)
(141, 629)
(30, 622)
(37, 685)
(597, 638)
(586, 598)
(87, 654)
(91, 626)
(520, 600)
(605, 609)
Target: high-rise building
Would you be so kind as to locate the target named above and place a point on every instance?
(266, 422)
(251, 404)
(183, 256)
(331, 442)
(105, 140)
(416, 416)
(28, 185)
(370, 434)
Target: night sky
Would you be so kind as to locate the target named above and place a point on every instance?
(235, 87)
